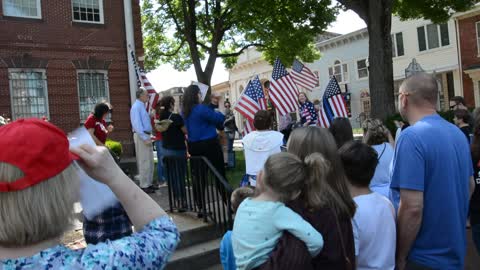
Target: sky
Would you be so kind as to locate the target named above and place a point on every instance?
(165, 76)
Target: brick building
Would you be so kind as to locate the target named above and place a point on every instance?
(59, 58)
(468, 27)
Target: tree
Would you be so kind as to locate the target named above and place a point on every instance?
(377, 14)
(186, 32)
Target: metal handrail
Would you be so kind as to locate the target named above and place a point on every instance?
(195, 185)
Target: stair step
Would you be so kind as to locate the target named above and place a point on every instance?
(197, 257)
(194, 231)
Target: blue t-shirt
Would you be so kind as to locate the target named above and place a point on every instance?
(433, 156)
(202, 122)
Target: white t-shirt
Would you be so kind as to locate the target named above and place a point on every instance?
(374, 232)
(258, 146)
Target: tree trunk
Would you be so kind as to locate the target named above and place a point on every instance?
(379, 22)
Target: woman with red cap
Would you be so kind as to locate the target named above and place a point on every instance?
(38, 188)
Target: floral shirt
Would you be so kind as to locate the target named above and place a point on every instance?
(148, 249)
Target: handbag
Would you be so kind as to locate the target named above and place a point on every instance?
(163, 125)
(348, 263)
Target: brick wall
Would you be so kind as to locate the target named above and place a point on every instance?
(58, 40)
(470, 55)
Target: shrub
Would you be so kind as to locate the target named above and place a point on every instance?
(114, 146)
(390, 121)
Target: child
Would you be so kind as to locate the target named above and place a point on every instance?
(260, 221)
(226, 251)
(374, 221)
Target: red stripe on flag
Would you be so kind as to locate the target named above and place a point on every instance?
(279, 104)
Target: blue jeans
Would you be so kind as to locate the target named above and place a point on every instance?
(476, 236)
(160, 155)
(176, 177)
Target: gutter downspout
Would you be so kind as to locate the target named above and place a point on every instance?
(459, 55)
(130, 44)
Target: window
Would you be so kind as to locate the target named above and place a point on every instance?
(433, 36)
(92, 89)
(28, 93)
(22, 8)
(362, 69)
(339, 70)
(89, 11)
(477, 24)
(397, 45)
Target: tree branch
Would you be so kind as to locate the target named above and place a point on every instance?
(170, 10)
(175, 51)
(204, 46)
(224, 55)
(358, 6)
(208, 20)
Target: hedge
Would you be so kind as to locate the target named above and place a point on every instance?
(390, 121)
(114, 146)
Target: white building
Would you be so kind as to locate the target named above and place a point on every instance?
(435, 49)
(345, 57)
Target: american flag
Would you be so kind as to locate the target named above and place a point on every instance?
(303, 76)
(333, 102)
(142, 81)
(252, 99)
(248, 127)
(283, 91)
(322, 120)
(307, 110)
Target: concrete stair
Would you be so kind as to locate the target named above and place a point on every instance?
(199, 245)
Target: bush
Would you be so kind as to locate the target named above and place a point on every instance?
(114, 146)
(390, 121)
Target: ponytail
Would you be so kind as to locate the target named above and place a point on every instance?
(318, 169)
(289, 177)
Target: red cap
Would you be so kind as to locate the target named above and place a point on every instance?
(39, 149)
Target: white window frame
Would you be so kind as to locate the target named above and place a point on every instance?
(107, 87)
(10, 84)
(439, 33)
(366, 68)
(344, 73)
(100, 7)
(39, 11)
(477, 27)
(395, 45)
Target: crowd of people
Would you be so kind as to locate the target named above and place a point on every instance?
(377, 204)
(317, 200)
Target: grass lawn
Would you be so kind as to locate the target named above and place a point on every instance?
(235, 175)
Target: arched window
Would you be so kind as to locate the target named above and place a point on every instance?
(339, 70)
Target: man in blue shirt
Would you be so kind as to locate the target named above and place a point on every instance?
(142, 128)
(432, 170)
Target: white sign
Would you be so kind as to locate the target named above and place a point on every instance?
(95, 197)
(203, 89)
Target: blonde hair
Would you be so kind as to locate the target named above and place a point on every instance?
(330, 191)
(374, 132)
(287, 175)
(37, 213)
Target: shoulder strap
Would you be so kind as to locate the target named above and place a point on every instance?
(383, 151)
(348, 263)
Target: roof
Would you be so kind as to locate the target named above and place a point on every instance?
(342, 39)
(470, 13)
